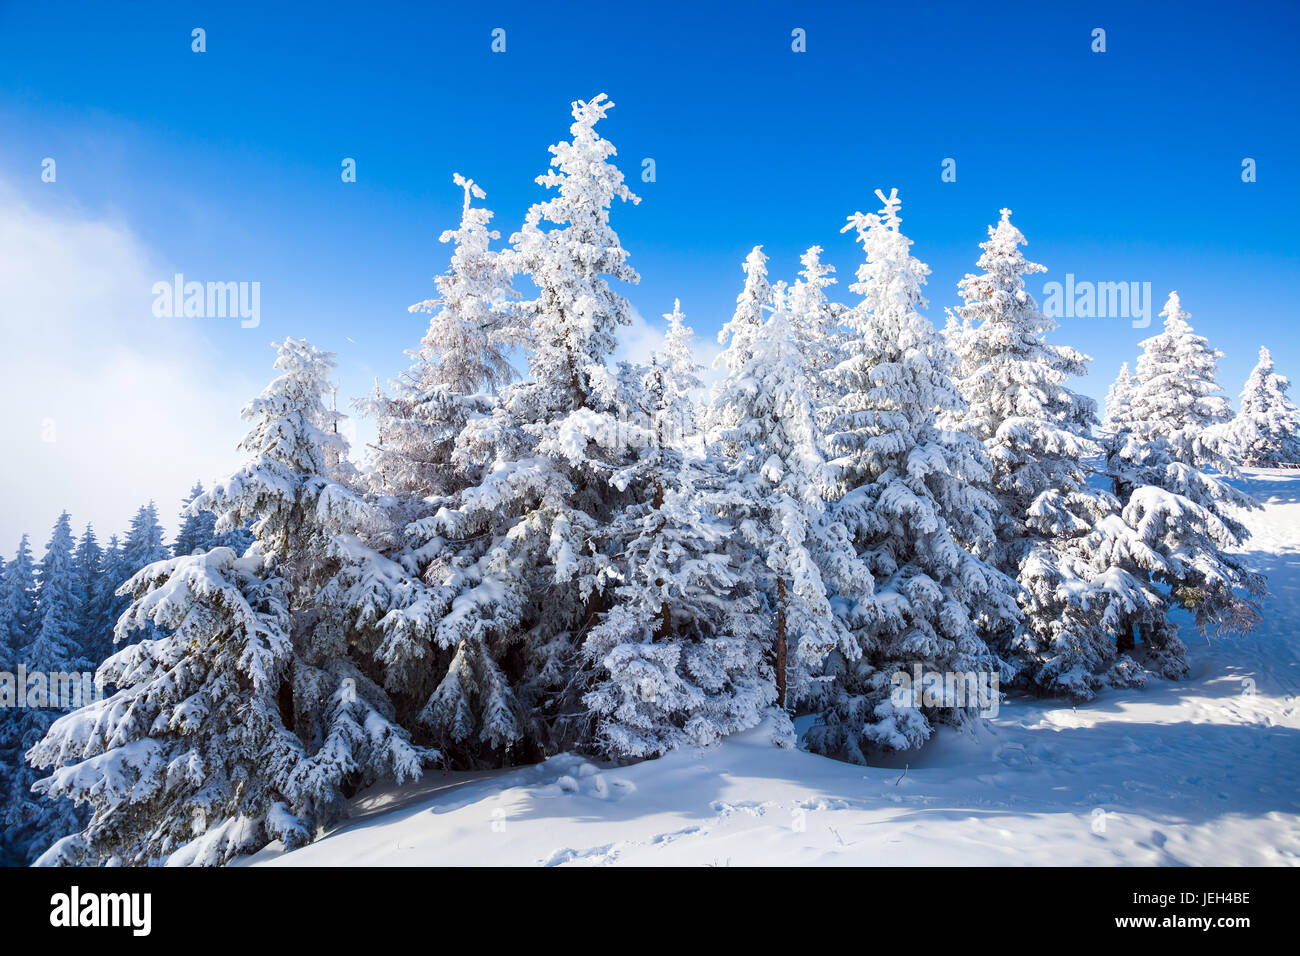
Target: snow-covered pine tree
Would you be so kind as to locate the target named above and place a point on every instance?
(462, 362)
(55, 658)
(254, 716)
(1119, 403)
(18, 597)
(1177, 391)
(1267, 429)
(105, 606)
(88, 566)
(755, 299)
(142, 545)
(1169, 468)
(1036, 432)
(17, 619)
(816, 323)
(679, 655)
(456, 692)
(534, 568)
(198, 530)
(764, 417)
(908, 494)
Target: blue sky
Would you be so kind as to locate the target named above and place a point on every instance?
(1120, 166)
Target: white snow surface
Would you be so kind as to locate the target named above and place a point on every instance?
(1204, 771)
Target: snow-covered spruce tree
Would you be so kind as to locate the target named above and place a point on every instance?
(1168, 468)
(455, 691)
(909, 494)
(1119, 403)
(535, 567)
(1036, 432)
(739, 333)
(462, 362)
(679, 655)
(105, 606)
(1177, 391)
(142, 545)
(17, 619)
(765, 418)
(198, 530)
(816, 323)
(18, 597)
(55, 661)
(88, 567)
(1267, 429)
(254, 716)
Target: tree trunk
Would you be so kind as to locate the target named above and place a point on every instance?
(780, 642)
(1127, 638)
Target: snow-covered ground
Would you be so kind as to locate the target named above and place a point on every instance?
(1203, 771)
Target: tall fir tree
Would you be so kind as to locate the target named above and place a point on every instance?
(1119, 403)
(1036, 432)
(909, 495)
(55, 662)
(679, 654)
(765, 417)
(815, 321)
(462, 362)
(532, 566)
(1169, 468)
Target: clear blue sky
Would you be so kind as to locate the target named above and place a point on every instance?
(1122, 166)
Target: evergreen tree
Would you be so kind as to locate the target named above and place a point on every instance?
(1267, 429)
(1180, 531)
(88, 564)
(462, 362)
(106, 607)
(1036, 432)
(1176, 391)
(909, 495)
(678, 656)
(142, 545)
(524, 553)
(816, 324)
(18, 598)
(253, 717)
(742, 330)
(765, 417)
(197, 528)
(1119, 402)
(56, 659)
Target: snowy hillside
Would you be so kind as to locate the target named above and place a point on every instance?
(1203, 771)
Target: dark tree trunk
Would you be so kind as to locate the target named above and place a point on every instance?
(780, 642)
(1127, 638)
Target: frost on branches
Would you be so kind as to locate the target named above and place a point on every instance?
(909, 496)
(1267, 429)
(1178, 534)
(796, 554)
(255, 717)
(679, 655)
(462, 361)
(1053, 529)
(530, 566)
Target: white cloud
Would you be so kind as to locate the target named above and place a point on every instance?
(106, 405)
